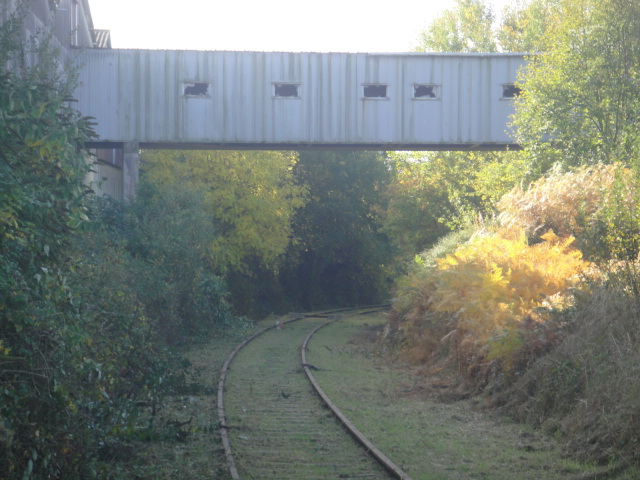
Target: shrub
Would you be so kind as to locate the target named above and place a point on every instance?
(489, 286)
(596, 205)
(586, 388)
(169, 233)
(495, 282)
(78, 356)
(45, 383)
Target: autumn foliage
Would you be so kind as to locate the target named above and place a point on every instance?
(480, 300)
(595, 204)
(488, 286)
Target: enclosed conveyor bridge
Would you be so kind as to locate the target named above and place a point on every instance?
(277, 100)
(273, 100)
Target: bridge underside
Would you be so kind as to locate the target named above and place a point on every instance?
(378, 147)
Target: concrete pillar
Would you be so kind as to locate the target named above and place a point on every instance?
(130, 170)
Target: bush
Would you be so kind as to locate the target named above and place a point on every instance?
(587, 387)
(45, 383)
(169, 235)
(497, 280)
(489, 286)
(79, 357)
(596, 205)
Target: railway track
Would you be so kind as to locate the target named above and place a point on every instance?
(274, 422)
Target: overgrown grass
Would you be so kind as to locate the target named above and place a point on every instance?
(586, 389)
(556, 346)
(429, 438)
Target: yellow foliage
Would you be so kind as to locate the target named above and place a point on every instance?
(251, 197)
(496, 280)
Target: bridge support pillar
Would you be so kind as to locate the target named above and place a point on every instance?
(130, 170)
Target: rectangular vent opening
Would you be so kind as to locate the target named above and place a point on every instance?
(375, 90)
(285, 90)
(196, 89)
(510, 90)
(424, 91)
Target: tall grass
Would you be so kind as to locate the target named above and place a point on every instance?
(587, 387)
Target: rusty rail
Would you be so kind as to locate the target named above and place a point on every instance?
(359, 437)
(370, 447)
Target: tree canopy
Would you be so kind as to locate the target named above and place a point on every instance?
(473, 26)
(465, 28)
(250, 196)
(340, 256)
(580, 98)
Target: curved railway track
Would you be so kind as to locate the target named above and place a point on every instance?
(274, 419)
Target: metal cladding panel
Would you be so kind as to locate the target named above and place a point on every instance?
(145, 96)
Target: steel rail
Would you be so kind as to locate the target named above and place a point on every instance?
(351, 428)
(222, 419)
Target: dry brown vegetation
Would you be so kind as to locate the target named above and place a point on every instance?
(586, 388)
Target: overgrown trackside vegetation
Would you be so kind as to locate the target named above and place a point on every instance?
(97, 297)
(524, 279)
(91, 293)
(538, 308)
(293, 231)
(408, 417)
(340, 255)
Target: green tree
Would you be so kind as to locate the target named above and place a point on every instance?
(169, 231)
(77, 354)
(250, 196)
(526, 25)
(340, 256)
(468, 27)
(581, 97)
(432, 194)
(42, 166)
(472, 26)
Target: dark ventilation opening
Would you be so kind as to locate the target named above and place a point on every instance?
(424, 91)
(286, 90)
(375, 91)
(510, 91)
(196, 89)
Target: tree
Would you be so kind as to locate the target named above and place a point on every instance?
(340, 256)
(77, 354)
(431, 194)
(472, 26)
(581, 98)
(169, 231)
(468, 27)
(250, 196)
(526, 25)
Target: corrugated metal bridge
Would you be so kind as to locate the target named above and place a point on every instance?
(291, 101)
(272, 100)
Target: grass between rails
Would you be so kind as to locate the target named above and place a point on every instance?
(279, 428)
(431, 439)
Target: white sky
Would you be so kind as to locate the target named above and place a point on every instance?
(268, 25)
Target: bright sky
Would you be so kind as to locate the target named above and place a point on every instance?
(268, 25)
